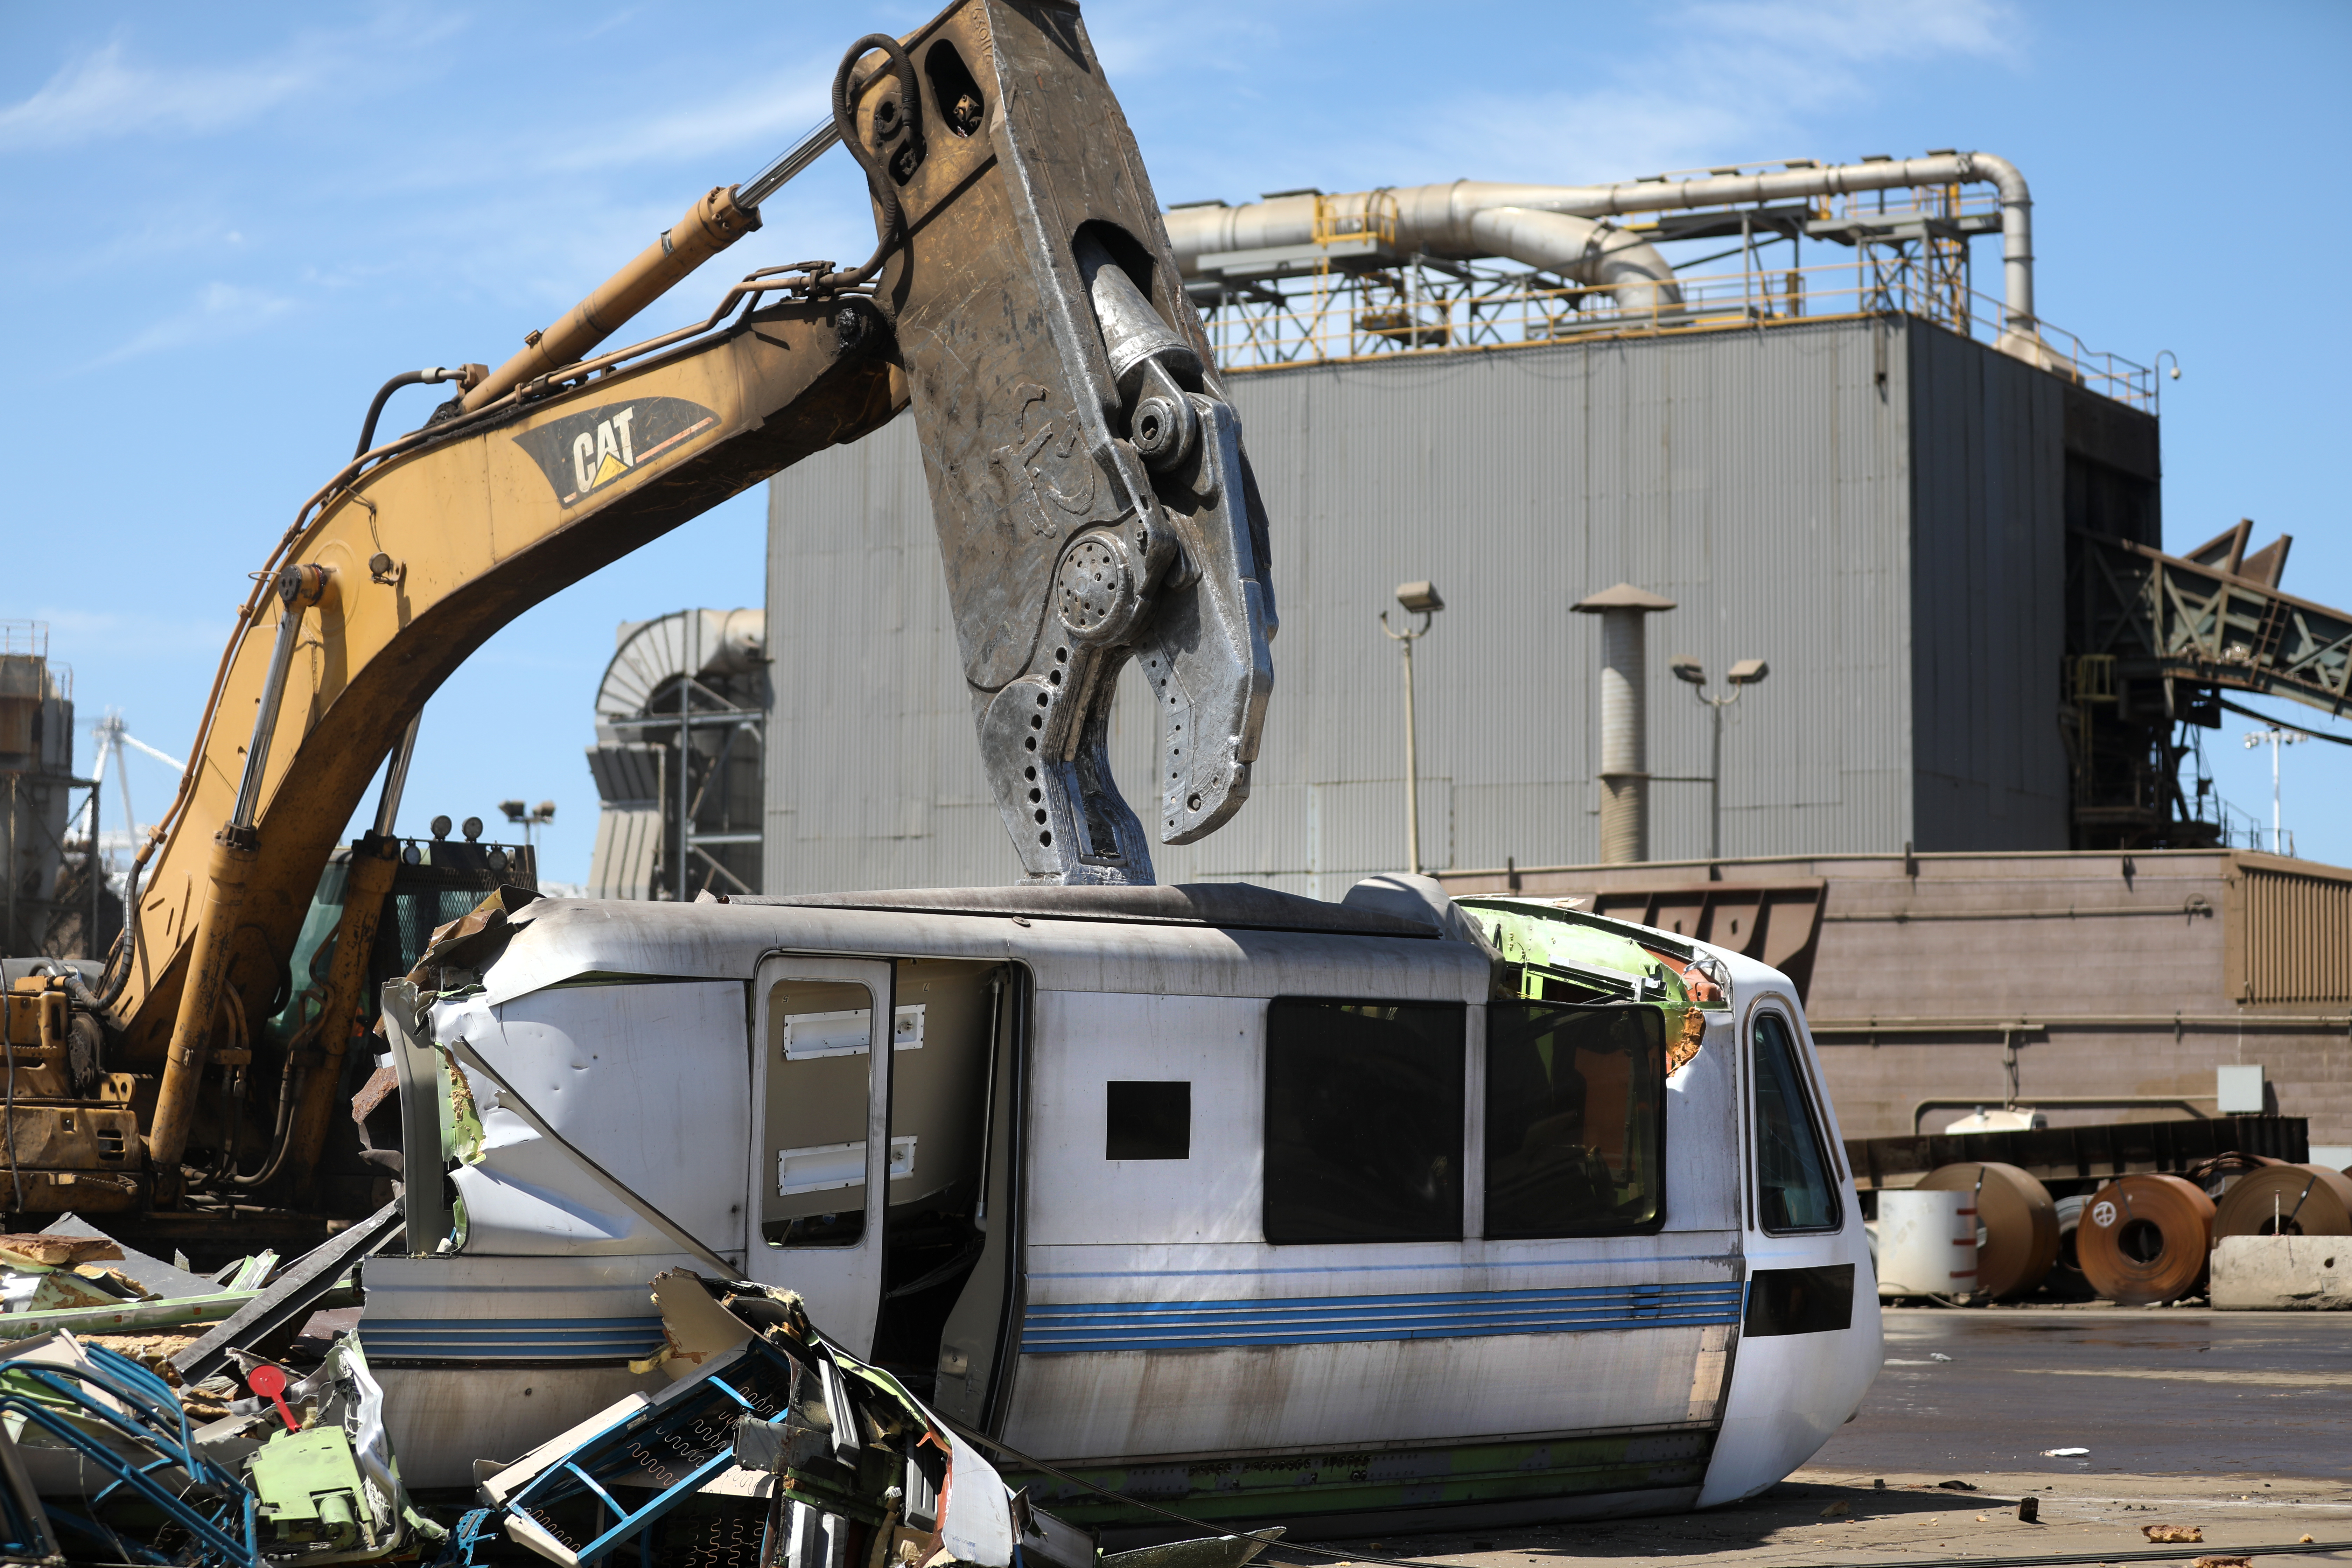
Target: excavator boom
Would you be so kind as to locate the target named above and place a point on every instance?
(1093, 502)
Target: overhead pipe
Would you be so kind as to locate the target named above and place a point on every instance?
(1464, 219)
(1594, 254)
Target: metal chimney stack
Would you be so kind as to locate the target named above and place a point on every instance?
(1624, 728)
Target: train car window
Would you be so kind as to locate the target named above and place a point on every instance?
(1363, 1121)
(1793, 1190)
(1575, 1120)
(1146, 1120)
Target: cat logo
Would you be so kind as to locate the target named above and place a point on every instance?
(1044, 463)
(586, 452)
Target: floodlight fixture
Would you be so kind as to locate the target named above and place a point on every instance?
(1421, 598)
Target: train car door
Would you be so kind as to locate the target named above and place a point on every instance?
(1809, 1337)
(822, 1149)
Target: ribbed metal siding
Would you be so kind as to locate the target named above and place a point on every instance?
(1760, 480)
(1988, 544)
(872, 777)
(2298, 937)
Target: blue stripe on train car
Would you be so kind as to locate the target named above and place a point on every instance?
(510, 1339)
(1340, 1320)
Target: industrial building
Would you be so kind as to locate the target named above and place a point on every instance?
(1933, 518)
(49, 903)
(1861, 488)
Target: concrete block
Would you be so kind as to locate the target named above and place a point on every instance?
(2272, 1273)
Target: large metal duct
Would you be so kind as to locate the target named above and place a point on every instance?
(678, 756)
(1470, 218)
(1428, 219)
(1624, 726)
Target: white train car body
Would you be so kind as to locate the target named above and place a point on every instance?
(1251, 1206)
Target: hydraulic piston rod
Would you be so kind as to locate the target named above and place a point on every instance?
(235, 849)
(720, 218)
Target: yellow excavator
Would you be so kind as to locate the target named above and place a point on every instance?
(1094, 505)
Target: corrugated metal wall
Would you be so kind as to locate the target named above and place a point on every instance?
(1763, 481)
(1987, 597)
(2296, 944)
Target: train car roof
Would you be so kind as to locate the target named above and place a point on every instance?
(1216, 938)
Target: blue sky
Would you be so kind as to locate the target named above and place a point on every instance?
(233, 222)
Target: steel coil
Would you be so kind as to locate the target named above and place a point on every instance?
(2017, 1225)
(2144, 1239)
(2286, 1200)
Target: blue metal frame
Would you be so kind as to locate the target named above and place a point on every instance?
(696, 1425)
(158, 1425)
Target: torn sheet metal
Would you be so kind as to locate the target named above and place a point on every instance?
(539, 1105)
(1552, 953)
(975, 1522)
(779, 1425)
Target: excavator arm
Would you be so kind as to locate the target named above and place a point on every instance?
(1093, 502)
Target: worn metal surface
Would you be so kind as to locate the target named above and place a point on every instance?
(1770, 483)
(1087, 478)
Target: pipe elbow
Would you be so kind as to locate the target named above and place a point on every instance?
(2003, 175)
(1591, 252)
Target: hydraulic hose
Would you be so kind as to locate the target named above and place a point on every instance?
(466, 377)
(877, 178)
(111, 981)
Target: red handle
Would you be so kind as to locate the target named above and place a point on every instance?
(270, 1381)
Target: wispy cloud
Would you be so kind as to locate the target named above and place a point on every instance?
(219, 312)
(1737, 78)
(726, 133)
(111, 91)
(1695, 84)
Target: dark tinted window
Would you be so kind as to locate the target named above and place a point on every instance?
(1147, 1120)
(1575, 1120)
(1793, 1190)
(1800, 1301)
(1364, 1122)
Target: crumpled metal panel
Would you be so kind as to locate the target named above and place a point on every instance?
(660, 1121)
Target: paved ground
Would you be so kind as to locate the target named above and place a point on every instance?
(2156, 1392)
(2238, 1423)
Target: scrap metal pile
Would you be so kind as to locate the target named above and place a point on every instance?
(264, 1442)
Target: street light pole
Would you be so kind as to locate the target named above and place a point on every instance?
(1742, 675)
(2275, 737)
(1420, 599)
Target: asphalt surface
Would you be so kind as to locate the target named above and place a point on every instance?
(2154, 1392)
(2237, 1424)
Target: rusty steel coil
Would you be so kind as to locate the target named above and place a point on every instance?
(2144, 1239)
(2286, 1200)
(2018, 1223)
